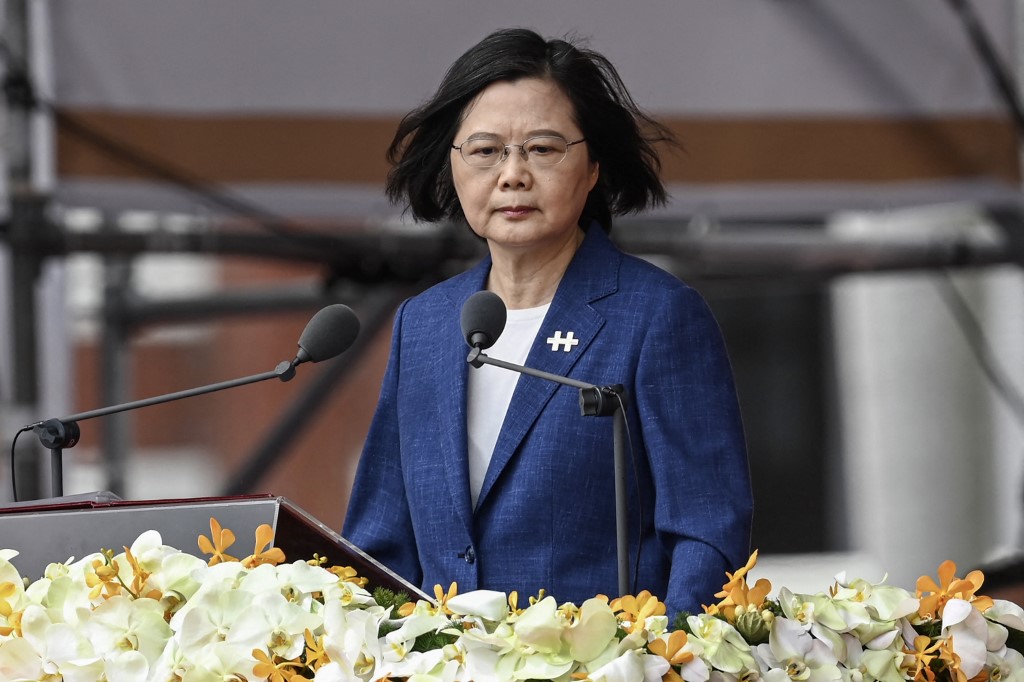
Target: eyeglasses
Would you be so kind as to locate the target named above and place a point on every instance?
(542, 151)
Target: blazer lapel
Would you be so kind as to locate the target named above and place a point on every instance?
(593, 274)
(450, 374)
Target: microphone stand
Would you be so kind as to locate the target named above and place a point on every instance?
(595, 401)
(57, 434)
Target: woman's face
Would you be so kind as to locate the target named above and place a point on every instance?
(519, 205)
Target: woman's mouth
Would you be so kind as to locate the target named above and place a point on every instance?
(515, 211)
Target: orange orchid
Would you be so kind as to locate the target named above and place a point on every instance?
(262, 555)
(743, 599)
(513, 603)
(267, 669)
(923, 656)
(672, 651)
(440, 598)
(934, 595)
(13, 623)
(737, 578)
(349, 575)
(222, 539)
(637, 609)
(140, 577)
(8, 590)
(952, 660)
(315, 654)
(103, 579)
(737, 596)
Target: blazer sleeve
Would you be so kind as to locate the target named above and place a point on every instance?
(378, 519)
(693, 435)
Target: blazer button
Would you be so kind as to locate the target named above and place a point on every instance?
(469, 555)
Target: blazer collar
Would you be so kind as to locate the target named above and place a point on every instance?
(592, 274)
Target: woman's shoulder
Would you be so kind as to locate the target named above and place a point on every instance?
(446, 294)
(651, 276)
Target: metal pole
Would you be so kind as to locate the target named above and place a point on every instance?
(115, 366)
(621, 502)
(24, 212)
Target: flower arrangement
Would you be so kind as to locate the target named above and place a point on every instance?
(156, 614)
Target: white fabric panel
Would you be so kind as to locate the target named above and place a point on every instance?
(731, 57)
(931, 454)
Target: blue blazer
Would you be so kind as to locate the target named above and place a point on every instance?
(545, 517)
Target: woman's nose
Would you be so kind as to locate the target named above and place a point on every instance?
(515, 170)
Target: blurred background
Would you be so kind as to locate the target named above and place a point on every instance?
(187, 182)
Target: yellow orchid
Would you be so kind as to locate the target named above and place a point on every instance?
(274, 672)
(261, 555)
(672, 651)
(934, 595)
(222, 539)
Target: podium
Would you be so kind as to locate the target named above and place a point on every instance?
(47, 531)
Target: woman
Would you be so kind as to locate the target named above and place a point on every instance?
(494, 480)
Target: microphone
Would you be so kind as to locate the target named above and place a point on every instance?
(330, 332)
(483, 319)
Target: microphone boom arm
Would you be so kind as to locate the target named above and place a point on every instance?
(595, 401)
(57, 434)
(284, 371)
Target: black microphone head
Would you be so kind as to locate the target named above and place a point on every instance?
(483, 319)
(328, 333)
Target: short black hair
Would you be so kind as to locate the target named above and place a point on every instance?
(619, 135)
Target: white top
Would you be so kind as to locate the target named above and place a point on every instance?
(489, 390)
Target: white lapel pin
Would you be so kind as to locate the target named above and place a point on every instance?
(567, 343)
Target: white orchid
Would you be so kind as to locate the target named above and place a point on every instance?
(724, 647)
(792, 653)
(272, 623)
(969, 632)
(351, 637)
(121, 624)
(1006, 613)
(155, 614)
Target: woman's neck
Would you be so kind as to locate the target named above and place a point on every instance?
(527, 279)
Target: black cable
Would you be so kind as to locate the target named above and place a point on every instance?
(14, 482)
(978, 344)
(990, 60)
